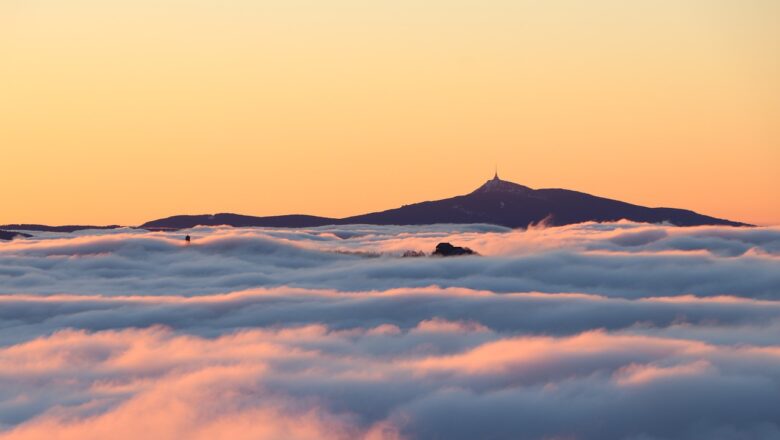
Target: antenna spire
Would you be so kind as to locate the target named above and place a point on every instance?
(495, 177)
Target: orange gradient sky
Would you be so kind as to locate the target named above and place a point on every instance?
(126, 111)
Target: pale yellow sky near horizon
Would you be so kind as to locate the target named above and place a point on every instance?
(126, 111)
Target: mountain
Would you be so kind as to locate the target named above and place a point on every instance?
(237, 220)
(10, 235)
(46, 228)
(496, 202)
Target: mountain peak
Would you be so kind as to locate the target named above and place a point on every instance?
(497, 185)
(497, 202)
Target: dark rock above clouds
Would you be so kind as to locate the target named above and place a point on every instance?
(448, 250)
(497, 202)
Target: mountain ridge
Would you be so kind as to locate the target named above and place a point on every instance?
(497, 201)
(48, 228)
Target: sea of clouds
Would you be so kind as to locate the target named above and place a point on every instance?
(590, 331)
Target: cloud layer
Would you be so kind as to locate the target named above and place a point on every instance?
(619, 260)
(591, 331)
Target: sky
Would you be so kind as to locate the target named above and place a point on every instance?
(125, 111)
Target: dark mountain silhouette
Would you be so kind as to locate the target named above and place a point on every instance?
(45, 228)
(496, 202)
(237, 220)
(9, 235)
